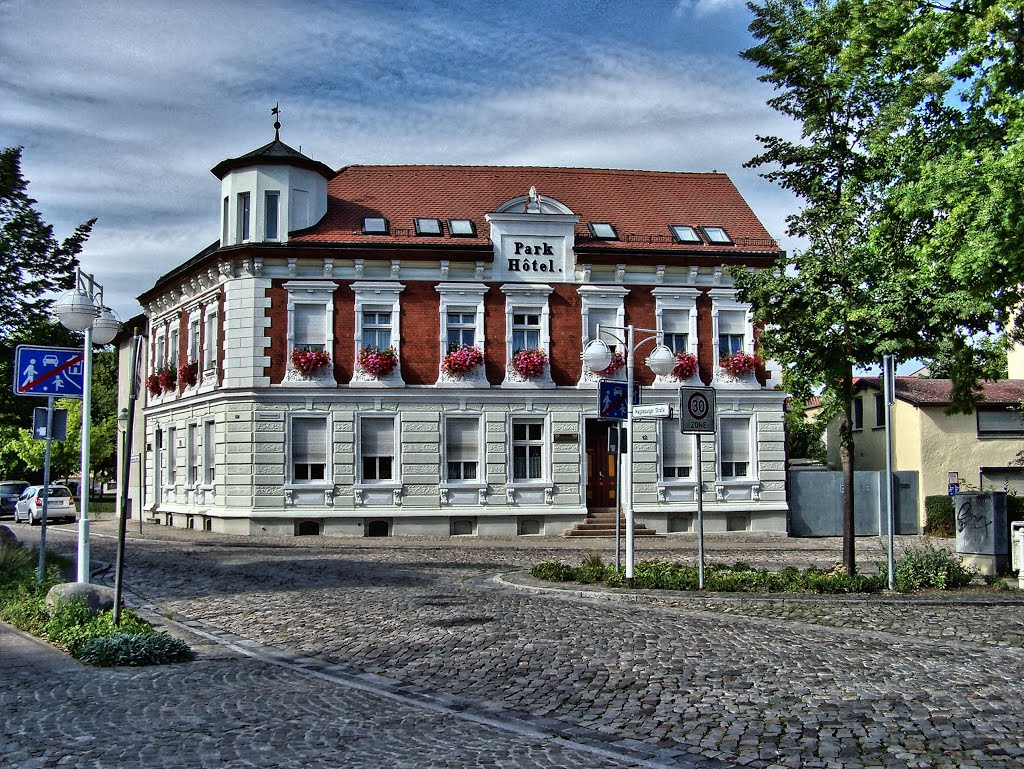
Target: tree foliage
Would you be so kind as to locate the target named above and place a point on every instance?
(33, 263)
(908, 168)
(65, 455)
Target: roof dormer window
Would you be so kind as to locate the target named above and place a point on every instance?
(684, 233)
(428, 227)
(375, 225)
(717, 236)
(461, 228)
(602, 230)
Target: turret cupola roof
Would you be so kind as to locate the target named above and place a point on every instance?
(276, 153)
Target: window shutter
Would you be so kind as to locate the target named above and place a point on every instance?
(377, 437)
(309, 440)
(735, 440)
(463, 439)
(310, 324)
(677, 449)
(675, 321)
(606, 318)
(732, 322)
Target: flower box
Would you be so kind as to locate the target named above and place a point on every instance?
(529, 363)
(618, 362)
(188, 374)
(168, 378)
(377, 362)
(153, 385)
(461, 359)
(739, 364)
(308, 362)
(686, 365)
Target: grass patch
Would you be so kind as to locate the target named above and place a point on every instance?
(71, 626)
(916, 569)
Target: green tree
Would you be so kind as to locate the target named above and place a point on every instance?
(33, 263)
(906, 110)
(988, 356)
(803, 435)
(65, 455)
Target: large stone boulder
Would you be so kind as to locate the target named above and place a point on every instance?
(97, 597)
(7, 537)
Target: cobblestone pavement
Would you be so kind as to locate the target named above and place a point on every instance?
(884, 681)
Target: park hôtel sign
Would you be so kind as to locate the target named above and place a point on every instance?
(531, 259)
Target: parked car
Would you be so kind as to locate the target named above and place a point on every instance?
(29, 507)
(9, 493)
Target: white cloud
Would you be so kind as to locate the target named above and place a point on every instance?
(707, 7)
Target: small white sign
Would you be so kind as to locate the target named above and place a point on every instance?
(652, 411)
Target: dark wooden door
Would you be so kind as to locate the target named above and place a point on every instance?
(601, 467)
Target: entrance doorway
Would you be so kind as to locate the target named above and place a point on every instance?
(602, 467)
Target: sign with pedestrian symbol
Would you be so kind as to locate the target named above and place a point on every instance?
(697, 410)
(57, 372)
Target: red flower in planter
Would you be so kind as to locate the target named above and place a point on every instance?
(153, 385)
(686, 365)
(739, 364)
(378, 362)
(618, 362)
(461, 359)
(188, 374)
(529, 363)
(168, 378)
(310, 361)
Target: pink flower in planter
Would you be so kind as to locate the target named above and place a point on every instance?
(739, 364)
(377, 362)
(310, 361)
(187, 374)
(618, 362)
(153, 385)
(461, 359)
(529, 363)
(686, 365)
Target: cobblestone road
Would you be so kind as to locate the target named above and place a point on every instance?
(886, 681)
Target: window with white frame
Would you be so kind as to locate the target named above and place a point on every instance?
(676, 311)
(462, 448)
(308, 443)
(376, 327)
(676, 454)
(377, 449)
(527, 449)
(160, 357)
(309, 327)
(460, 324)
(272, 200)
(732, 332)
(605, 318)
(676, 326)
(527, 324)
(172, 347)
(242, 214)
(526, 329)
(172, 456)
(734, 443)
(210, 341)
(209, 452)
(193, 454)
(193, 340)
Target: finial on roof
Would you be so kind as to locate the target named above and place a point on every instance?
(276, 110)
(533, 205)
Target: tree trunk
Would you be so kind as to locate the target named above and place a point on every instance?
(846, 459)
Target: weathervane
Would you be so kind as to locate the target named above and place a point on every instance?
(276, 110)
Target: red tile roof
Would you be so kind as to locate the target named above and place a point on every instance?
(640, 204)
(938, 392)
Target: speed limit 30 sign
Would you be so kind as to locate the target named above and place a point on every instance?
(697, 410)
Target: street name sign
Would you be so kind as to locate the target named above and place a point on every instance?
(697, 410)
(653, 411)
(57, 372)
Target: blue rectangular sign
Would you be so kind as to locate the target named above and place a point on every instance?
(612, 402)
(49, 371)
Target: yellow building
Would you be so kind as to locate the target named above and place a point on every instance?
(981, 447)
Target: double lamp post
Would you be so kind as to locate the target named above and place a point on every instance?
(597, 356)
(82, 309)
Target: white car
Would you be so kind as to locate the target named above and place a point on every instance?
(60, 504)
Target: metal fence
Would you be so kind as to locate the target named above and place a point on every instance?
(816, 503)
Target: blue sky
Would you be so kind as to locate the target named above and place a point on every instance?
(123, 108)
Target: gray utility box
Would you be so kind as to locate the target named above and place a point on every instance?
(1017, 550)
(981, 530)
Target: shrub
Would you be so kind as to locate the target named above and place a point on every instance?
(938, 516)
(16, 564)
(24, 606)
(72, 625)
(552, 571)
(928, 566)
(128, 648)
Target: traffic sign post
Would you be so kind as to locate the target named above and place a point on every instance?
(56, 372)
(697, 417)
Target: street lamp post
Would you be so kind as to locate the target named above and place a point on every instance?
(82, 309)
(597, 357)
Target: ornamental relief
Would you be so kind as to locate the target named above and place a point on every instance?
(268, 491)
(265, 427)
